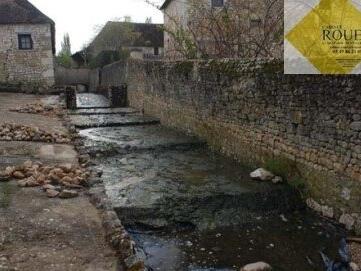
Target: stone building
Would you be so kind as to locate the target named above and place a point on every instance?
(139, 40)
(27, 45)
(222, 28)
(175, 16)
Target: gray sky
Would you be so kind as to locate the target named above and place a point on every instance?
(79, 17)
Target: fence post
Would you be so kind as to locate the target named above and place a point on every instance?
(118, 96)
(70, 97)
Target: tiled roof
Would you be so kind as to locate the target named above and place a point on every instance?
(149, 35)
(21, 11)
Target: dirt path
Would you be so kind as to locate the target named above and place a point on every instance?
(37, 233)
(356, 253)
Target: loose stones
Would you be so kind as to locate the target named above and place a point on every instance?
(259, 266)
(262, 174)
(55, 180)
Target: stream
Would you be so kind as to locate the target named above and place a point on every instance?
(188, 208)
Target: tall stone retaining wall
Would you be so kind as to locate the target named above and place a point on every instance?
(304, 128)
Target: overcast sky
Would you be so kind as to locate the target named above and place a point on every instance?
(79, 17)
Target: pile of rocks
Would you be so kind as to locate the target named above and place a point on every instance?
(61, 181)
(39, 108)
(15, 132)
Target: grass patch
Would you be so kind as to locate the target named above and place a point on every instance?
(288, 170)
(283, 167)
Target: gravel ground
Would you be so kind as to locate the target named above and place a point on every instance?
(37, 233)
(356, 253)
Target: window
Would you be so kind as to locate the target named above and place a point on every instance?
(256, 22)
(25, 42)
(156, 51)
(217, 3)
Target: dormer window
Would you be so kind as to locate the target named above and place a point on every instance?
(25, 42)
(217, 3)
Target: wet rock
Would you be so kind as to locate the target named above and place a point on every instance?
(348, 221)
(134, 263)
(99, 173)
(262, 174)
(354, 267)
(322, 209)
(189, 244)
(84, 158)
(94, 180)
(277, 180)
(327, 211)
(259, 266)
(51, 193)
(68, 194)
(283, 217)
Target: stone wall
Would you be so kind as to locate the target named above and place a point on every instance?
(114, 74)
(304, 128)
(175, 17)
(65, 76)
(32, 67)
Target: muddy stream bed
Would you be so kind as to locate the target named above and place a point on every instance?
(188, 208)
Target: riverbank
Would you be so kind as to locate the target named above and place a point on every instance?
(38, 233)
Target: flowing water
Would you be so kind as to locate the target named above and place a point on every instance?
(188, 208)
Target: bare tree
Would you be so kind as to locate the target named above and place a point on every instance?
(239, 29)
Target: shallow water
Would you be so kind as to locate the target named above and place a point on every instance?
(292, 245)
(190, 209)
(103, 111)
(89, 100)
(139, 137)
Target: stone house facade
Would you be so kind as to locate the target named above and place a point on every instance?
(140, 40)
(27, 45)
(223, 28)
(175, 16)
